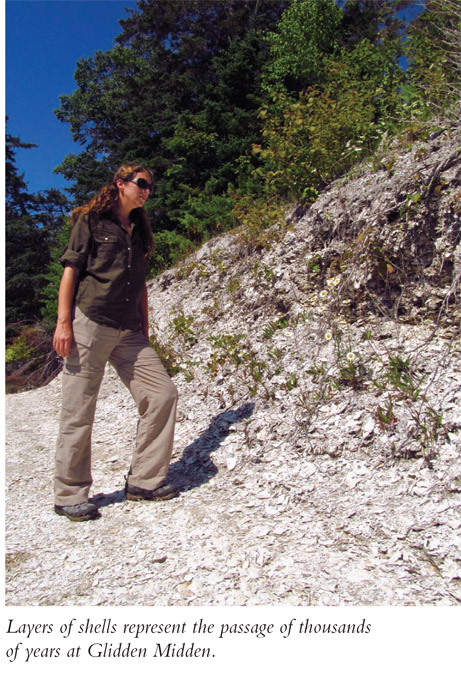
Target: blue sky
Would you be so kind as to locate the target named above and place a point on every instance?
(44, 41)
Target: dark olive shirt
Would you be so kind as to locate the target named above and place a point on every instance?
(113, 268)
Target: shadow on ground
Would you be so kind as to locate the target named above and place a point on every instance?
(195, 467)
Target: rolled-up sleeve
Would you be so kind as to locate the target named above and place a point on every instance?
(78, 246)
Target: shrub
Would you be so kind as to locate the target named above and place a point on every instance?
(170, 247)
(207, 215)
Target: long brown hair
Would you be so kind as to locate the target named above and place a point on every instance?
(105, 200)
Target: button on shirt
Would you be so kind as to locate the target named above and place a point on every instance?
(113, 268)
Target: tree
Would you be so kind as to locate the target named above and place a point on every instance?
(331, 91)
(305, 35)
(434, 56)
(31, 224)
(16, 197)
(367, 19)
(178, 93)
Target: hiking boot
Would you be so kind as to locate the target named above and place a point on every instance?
(164, 492)
(81, 512)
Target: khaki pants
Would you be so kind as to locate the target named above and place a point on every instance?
(155, 395)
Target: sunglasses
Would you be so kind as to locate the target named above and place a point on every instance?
(142, 184)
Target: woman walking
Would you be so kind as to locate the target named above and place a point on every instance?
(103, 317)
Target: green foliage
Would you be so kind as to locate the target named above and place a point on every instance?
(429, 425)
(179, 93)
(306, 34)
(31, 226)
(291, 382)
(167, 354)
(330, 126)
(49, 294)
(275, 326)
(21, 348)
(17, 200)
(241, 108)
(399, 374)
(351, 373)
(207, 215)
(86, 174)
(314, 263)
(227, 349)
(365, 19)
(233, 285)
(26, 254)
(183, 327)
(432, 50)
(385, 415)
(233, 352)
(257, 216)
(170, 247)
(331, 93)
(285, 168)
(26, 258)
(30, 360)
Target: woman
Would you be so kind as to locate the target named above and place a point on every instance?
(103, 317)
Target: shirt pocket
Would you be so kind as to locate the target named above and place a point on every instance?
(107, 246)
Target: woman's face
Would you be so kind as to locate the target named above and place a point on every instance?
(131, 195)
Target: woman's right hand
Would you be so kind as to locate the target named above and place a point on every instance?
(62, 339)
